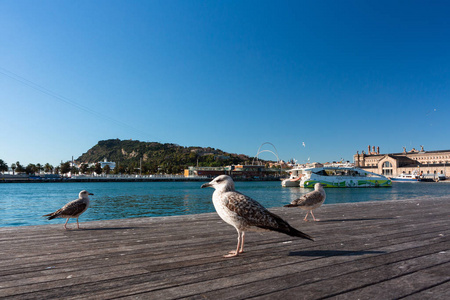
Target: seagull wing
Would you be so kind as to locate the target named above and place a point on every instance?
(311, 199)
(257, 215)
(72, 208)
(247, 208)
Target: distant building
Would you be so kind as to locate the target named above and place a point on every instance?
(237, 171)
(105, 163)
(393, 164)
(204, 171)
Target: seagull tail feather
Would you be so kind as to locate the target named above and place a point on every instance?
(284, 227)
(51, 215)
(298, 233)
(290, 205)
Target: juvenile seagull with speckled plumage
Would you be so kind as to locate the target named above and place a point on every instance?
(72, 209)
(310, 201)
(244, 213)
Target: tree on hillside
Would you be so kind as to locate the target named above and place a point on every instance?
(3, 166)
(119, 169)
(157, 157)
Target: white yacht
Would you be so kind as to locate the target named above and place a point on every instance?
(295, 175)
(403, 177)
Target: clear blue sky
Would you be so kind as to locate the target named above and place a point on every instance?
(336, 75)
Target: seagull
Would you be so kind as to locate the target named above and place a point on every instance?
(244, 213)
(72, 209)
(310, 201)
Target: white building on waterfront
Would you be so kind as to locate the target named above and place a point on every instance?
(428, 163)
(105, 163)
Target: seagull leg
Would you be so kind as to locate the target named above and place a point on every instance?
(242, 242)
(240, 245)
(314, 217)
(66, 224)
(78, 225)
(306, 217)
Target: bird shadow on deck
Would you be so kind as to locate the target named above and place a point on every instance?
(99, 229)
(332, 253)
(355, 220)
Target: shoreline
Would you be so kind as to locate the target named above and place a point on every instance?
(130, 178)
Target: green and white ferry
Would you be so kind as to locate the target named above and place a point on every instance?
(337, 176)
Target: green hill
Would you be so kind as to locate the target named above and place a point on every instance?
(168, 158)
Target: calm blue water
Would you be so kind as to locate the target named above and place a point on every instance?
(24, 203)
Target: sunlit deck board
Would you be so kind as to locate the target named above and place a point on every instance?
(364, 250)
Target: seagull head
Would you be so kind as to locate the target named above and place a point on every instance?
(84, 194)
(318, 186)
(222, 183)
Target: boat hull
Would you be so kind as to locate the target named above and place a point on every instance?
(404, 180)
(347, 183)
(290, 183)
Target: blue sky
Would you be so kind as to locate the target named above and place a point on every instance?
(336, 75)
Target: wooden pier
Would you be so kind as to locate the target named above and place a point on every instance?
(377, 250)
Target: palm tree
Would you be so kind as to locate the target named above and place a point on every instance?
(39, 168)
(3, 166)
(65, 167)
(19, 168)
(83, 168)
(31, 169)
(98, 169)
(74, 170)
(48, 168)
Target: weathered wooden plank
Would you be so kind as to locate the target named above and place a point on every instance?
(322, 268)
(173, 257)
(437, 292)
(343, 285)
(146, 285)
(400, 286)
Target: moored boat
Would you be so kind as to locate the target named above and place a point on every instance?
(342, 176)
(403, 177)
(294, 178)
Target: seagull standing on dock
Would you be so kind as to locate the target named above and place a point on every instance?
(310, 201)
(244, 213)
(72, 209)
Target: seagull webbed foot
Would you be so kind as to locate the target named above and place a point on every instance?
(231, 254)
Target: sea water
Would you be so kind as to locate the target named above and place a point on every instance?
(23, 204)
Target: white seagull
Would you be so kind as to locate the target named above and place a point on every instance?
(310, 201)
(244, 213)
(72, 209)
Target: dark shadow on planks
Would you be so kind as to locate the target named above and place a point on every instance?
(331, 253)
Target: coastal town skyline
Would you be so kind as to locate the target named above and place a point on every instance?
(319, 80)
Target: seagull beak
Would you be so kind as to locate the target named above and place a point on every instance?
(91, 194)
(206, 185)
